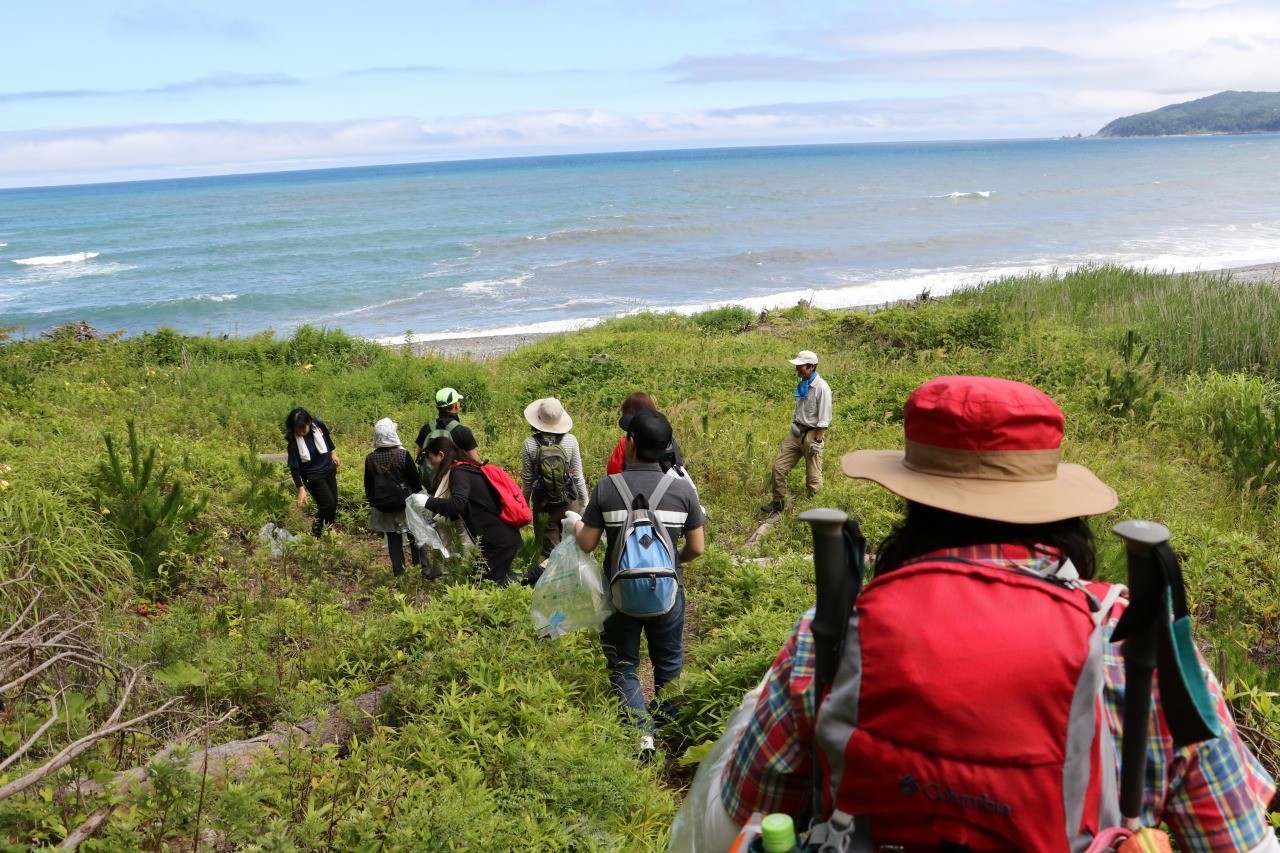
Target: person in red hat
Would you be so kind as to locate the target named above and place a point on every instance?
(988, 497)
(809, 423)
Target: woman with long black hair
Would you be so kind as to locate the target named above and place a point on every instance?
(981, 637)
(472, 499)
(313, 461)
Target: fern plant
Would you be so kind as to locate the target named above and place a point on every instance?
(150, 514)
(1132, 391)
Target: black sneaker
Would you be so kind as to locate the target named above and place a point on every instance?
(774, 508)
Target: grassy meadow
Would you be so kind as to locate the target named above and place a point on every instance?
(132, 495)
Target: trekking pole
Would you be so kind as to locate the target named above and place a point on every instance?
(1146, 589)
(836, 587)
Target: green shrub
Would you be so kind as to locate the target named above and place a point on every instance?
(910, 329)
(151, 514)
(1132, 390)
(725, 320)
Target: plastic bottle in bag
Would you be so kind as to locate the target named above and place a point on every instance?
(571, 593)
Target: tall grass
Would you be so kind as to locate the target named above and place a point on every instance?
(1194, 322)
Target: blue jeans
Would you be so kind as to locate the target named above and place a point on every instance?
(621, 641)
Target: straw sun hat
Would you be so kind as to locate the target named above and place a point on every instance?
(548, 415)
(987, 448)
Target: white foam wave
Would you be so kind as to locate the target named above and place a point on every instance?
(976, 194)
(50, 260)
(226, 297)
(492, 285)
(545, 328)
(856, 293)
(588, 233)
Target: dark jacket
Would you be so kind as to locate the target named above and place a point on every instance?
(472, 499)
(461, 434)
(321, 464)
(397, 463)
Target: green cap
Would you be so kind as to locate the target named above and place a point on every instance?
(778, 833)
(446, 397)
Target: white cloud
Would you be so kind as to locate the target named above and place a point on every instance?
(177, 20)
(218, 80)
(123, 153)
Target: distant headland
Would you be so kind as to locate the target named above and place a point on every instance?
(1225, 112)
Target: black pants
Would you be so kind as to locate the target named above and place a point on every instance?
(324, 491)
(395, 547)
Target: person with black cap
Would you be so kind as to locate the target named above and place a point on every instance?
(677, 508)
(809, 423)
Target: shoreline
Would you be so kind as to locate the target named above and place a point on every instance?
(481, 347)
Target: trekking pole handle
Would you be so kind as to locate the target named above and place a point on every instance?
(828, 549)
(1141, 538)
(834, 588)
(829, 569)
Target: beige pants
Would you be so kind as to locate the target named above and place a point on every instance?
(793, 448)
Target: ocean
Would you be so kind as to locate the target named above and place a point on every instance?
(542, 244)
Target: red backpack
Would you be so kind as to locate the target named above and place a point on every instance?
(938, 729)
(513, 508)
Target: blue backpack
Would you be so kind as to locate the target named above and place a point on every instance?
(642, 573)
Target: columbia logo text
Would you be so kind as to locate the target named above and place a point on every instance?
(950, 796)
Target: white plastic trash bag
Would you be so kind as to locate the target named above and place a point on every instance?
(421, 523)
(702, 825)
(276, 538)
(570, 594)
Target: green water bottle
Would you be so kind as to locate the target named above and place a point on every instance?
(777, 835)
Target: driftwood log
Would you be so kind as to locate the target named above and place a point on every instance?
(336, 726)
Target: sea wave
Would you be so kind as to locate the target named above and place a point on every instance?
(588, 233)
(975, 194)
(492, 286)
(226, 297)
(50, 260)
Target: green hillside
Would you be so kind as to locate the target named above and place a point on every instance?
(175, 683)
(1225, 112)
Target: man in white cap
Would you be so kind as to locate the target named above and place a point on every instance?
(809, 425)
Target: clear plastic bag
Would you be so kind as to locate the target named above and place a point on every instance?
(421, 523)
(570, 594)
(277, 538)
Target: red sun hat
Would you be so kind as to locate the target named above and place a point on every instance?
(984, 447)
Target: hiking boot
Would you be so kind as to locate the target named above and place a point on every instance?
(773, 508)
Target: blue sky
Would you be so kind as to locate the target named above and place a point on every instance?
(93, 91)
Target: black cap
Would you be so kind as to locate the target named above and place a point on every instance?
(463, 437)
(650, 430)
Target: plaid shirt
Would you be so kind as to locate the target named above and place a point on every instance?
(1213, 795)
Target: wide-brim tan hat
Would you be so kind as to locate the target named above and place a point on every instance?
(987, 448)
(548, 415)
